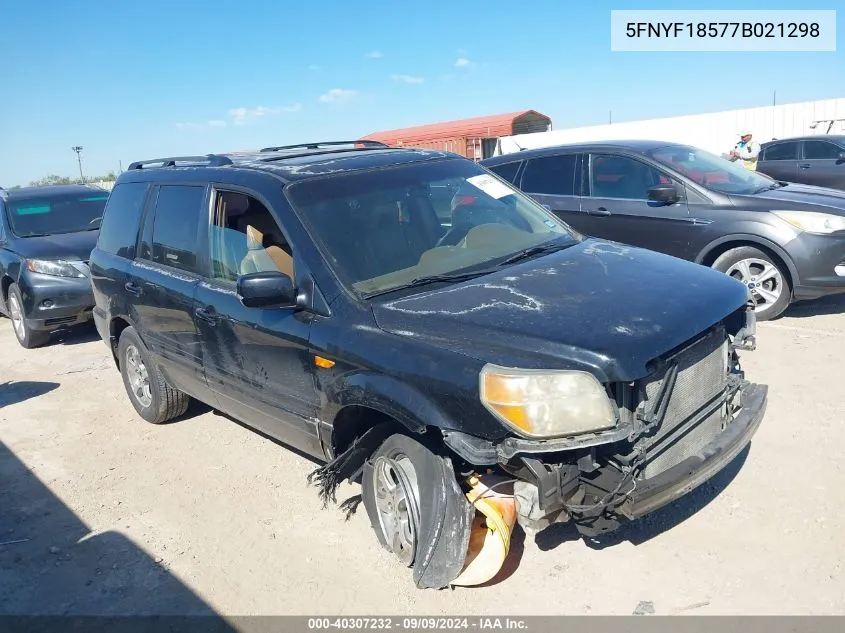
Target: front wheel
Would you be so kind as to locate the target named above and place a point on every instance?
(27, 337)
(765, 278)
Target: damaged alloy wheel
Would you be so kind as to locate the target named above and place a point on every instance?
(396, 494)
(417, 509)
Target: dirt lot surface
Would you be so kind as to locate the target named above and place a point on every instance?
(103, 513)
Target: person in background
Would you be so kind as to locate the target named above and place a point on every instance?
(747, 151)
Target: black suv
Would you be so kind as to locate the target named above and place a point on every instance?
(46, 236)
(784, 241)
(426, 330)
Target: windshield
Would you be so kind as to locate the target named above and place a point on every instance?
(56, 214)
(711, 171)
(382, 229)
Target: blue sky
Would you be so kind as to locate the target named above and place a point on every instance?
(133, 80)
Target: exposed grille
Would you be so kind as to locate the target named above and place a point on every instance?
(690, 422)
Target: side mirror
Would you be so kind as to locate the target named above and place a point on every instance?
(841, 156)
(664, 193)
(266, 290)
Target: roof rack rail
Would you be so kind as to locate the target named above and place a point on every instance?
(323, 144)
(211, 160)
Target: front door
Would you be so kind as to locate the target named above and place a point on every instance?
(616, 206)
(162, 282)
(256, 360)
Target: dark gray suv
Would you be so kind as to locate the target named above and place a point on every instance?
(784, 241)
(810, 160)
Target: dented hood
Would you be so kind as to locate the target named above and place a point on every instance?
(597, 305)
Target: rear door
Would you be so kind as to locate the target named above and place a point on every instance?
(780, 161)
(162, 283)
(821, 164)
(554, 182)
(616, 206)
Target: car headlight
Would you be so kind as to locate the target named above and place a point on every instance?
(546, 403)
(57, 268)
(813, 222)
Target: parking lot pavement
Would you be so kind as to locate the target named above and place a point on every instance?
(204, 514)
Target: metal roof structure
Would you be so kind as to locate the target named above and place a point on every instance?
(492, 126)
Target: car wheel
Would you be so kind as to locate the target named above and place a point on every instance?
(26, 336)
(153, 398)
(765, 278)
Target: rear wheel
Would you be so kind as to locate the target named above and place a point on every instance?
(153, 398)
(26, 336)
(765, 278)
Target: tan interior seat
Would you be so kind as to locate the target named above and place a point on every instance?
(261, 259)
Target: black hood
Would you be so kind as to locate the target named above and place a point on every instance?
(599, 306)
(71, 246)
(794, 196)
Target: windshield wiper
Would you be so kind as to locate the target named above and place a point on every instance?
(540, 249)
(774, 185)
(431, 279)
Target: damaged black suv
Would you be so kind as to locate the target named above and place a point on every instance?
(426, 330)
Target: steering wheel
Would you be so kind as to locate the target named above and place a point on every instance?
(454, 235)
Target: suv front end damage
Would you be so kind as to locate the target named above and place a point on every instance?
(676, 428)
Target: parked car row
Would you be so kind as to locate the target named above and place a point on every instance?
(425, 328)
(784, 241)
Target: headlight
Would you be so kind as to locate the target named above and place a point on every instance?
(56, 268)
(813, 222)
(541, 404)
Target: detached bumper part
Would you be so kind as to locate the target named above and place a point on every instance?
(490, 539)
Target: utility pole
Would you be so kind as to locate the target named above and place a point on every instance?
(610, 117)
(78, 150)
(775, 97)
(120, 166)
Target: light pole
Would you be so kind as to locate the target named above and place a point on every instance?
(78, 150)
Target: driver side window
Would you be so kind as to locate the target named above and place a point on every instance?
(245, 238)
(622, 177)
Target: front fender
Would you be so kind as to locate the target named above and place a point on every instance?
(387, 395)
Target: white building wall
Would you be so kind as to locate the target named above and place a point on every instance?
(715, 132)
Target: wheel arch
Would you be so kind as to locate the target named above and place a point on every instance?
(716, 248)
(365, 400)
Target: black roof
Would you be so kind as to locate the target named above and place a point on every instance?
(47, 191)
(637, 146)
(298, 162)
(836, 138)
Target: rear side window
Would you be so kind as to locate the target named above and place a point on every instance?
(179, 213)
(506, 171)
(821, 150)
(550, 175)
(781, 151)
(119, 228)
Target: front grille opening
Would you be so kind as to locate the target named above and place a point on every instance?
(695, 413)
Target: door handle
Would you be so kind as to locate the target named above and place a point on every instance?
(132, 288)
(209, 315)
(602, 211)
(805, 166)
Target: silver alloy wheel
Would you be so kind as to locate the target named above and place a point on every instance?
(139, 377)
(16, 314)
(762, 278)
(396, 488)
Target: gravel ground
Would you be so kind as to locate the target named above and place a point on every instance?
(101, 513)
